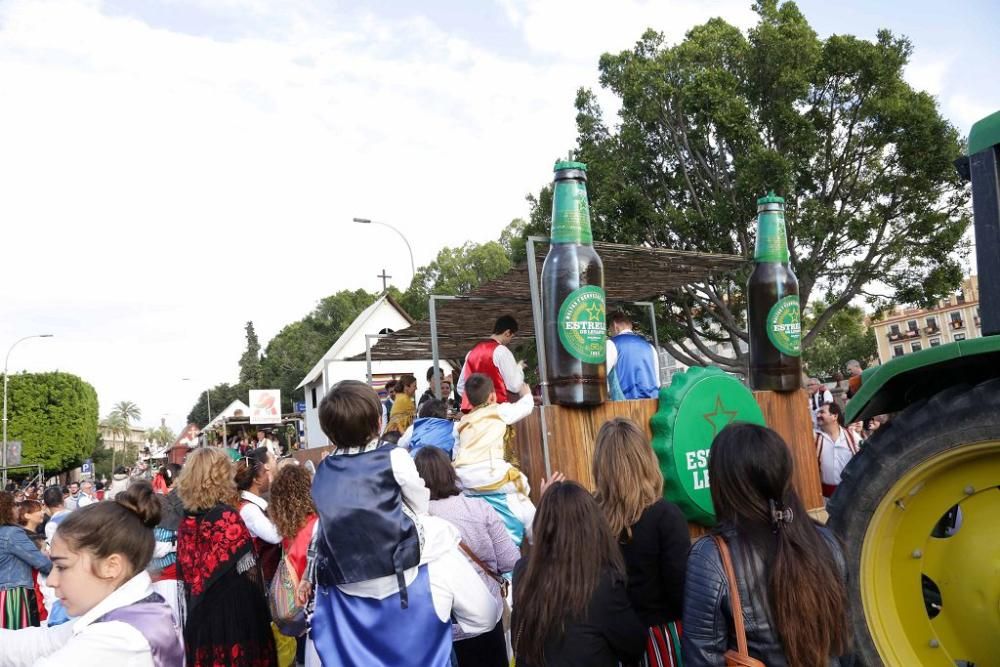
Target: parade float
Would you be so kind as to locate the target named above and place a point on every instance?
(917, 507)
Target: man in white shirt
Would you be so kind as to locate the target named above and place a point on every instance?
(494, 359)
(87, 496)
(819, 396)
(835, 446)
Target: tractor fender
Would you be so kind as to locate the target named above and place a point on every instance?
(905, 380)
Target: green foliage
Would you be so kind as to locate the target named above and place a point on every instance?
(162, 435)
(292, 353)
(251, 371)
(222, 395)
(101, 456)
(708, 125)
(289, 356)
(456, 271)
(55, 416)
(845, 337)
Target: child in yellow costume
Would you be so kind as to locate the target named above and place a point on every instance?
(480, 462)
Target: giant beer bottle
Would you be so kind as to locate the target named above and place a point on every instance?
(773, 304)
(573, 306)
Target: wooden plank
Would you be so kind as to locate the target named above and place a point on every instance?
(788, 414)
(572, 432)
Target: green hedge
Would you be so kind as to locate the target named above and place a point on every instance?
(55, 416)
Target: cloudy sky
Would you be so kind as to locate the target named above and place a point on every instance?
(170, 169)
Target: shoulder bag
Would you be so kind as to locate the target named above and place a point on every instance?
(287, 614)
(741, 656)
(495, 576)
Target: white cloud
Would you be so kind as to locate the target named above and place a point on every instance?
(929, 72)
(583, 29)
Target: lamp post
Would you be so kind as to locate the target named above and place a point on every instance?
(3, 454)
(367, 221)
(208, 398)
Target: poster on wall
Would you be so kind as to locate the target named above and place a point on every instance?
(265, 406)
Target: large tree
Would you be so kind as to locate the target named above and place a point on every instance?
(457, 271)
(55, 417)
(864, 161)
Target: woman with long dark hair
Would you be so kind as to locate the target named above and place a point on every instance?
(570, 603)
(651, 532)
(485, 541)
(789, 570)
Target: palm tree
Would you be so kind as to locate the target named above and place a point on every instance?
(116, 426)
(122, 414)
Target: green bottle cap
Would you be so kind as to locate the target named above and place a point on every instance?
(771, 198)
(566, 164)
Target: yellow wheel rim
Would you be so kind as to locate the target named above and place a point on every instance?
(899, 550)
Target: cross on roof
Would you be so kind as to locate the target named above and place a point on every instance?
(385, 278)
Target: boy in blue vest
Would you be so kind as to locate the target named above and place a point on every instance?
(431, 427)
(389, 577)
(633, 366)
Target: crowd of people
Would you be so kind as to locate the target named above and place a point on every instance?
(415, 541)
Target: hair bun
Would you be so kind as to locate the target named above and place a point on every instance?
(140, 499)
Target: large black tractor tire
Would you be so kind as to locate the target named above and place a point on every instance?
(920, 455)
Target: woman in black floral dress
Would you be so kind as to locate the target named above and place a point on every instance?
(226, 619)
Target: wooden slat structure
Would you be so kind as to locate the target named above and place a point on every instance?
(631, 273)
(571, 435)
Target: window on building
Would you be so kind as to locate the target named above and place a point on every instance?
(915, 347)
(956, 319)
(935, 342)
(314, 396)
(912, 326)
(897, 351)
(958, 337)
(932, 322)
(894, 329)
(961, 297)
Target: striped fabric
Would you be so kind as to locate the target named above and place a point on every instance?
(663, 646)
(18, 608)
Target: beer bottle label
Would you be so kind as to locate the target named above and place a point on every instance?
(571, 213)
(772, 244)
(582, 325)
(783, 326)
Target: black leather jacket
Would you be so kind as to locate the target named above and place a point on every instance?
(708, 622)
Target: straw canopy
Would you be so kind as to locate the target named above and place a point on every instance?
(631, 273)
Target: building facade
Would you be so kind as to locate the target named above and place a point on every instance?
(907, 330)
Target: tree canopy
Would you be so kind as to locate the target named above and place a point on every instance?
(457, 270)
(708, 125)
(846, 336)
(54, 415)
(251, 371)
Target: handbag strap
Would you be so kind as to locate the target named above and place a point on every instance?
(496, 576)
(734, 596)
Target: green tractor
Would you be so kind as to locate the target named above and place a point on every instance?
(918, 508)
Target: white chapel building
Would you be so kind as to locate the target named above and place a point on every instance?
(382, 317)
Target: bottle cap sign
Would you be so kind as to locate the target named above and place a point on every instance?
(696, 405)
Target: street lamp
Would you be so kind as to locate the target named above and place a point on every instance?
(3, 456)
(367, 221)
(208, 398)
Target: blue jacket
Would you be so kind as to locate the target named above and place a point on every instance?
(18, 555)
(433, 431)
(635, 370)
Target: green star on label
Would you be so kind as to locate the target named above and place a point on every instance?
(721, 417)
(582, 326)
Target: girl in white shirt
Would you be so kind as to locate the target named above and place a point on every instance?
(99, 554)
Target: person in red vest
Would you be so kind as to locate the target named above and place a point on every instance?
(494, 359)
